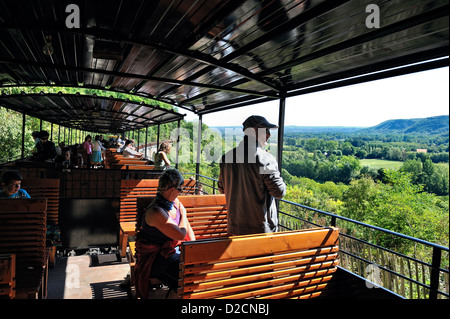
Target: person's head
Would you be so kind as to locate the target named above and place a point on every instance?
(88, 138)
(43, 135)
(35, 135)
(11, 181)
(97, 137)
(66, 153)
(129, 143)
(165, 147)
(170, 184)
(258, 127)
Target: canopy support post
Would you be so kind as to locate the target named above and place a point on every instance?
(199, 147)
(281, 117)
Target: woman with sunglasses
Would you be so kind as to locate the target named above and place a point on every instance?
(164, 226)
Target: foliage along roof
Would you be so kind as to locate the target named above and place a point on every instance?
(209, 55)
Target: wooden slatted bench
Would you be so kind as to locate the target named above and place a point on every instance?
(23, 233)
(297, 264)
(143, 167)
(207, 215)
(46, 188)
(130, 190)
(7, 276)
(115, 160)
(131, 162)
(128, 160)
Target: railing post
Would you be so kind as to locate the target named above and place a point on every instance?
(333, 221)
(23, 134)
(178, 143)
(434, 276)
(199, 147)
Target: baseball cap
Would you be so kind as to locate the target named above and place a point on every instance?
(257, 121)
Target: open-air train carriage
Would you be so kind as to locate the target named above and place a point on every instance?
(203, 57)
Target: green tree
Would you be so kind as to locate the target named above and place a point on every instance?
(359, 197)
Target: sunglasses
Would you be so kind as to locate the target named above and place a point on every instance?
(179, 188)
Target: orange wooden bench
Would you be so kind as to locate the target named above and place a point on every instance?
(7, 276)
(113, 159)
(46, 188)
(130, 190)
(134, 167)
(23, 233)
(297, 264)
(120, 158)
(207, 215)
(130, 161)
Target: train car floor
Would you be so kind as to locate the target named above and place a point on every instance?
(88, 277)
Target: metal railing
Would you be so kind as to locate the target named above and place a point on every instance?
(419, 273)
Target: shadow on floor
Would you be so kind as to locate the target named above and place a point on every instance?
(106, 260)
(109, 290)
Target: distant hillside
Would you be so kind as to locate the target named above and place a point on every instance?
(320, 129)
(429, 125)
(292, 129)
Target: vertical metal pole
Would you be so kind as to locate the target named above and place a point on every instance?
(434, 276)
(178, 143)
(59, 133)
(157, 139)
(146, 142)
(23, 135)
(199, 147)
(138, 134)
(281, 117)
(51, 131)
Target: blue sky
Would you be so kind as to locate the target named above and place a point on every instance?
(417, 95)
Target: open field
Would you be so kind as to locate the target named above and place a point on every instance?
(378, 163)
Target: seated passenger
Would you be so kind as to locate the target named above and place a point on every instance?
(164, 226)
(46, 151)
(128, 150)
(161, 160)
(11, 181)
(65, 159)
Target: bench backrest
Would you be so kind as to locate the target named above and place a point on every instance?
(45, 188)
(207, 214)
(297, 264)
(130, 161)
(7, 276)
(143, 167)
(131, 189)
(22, 232)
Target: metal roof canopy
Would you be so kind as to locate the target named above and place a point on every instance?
(211, 55)
(89, 112)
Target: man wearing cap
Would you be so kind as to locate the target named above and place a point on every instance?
(250, 179)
